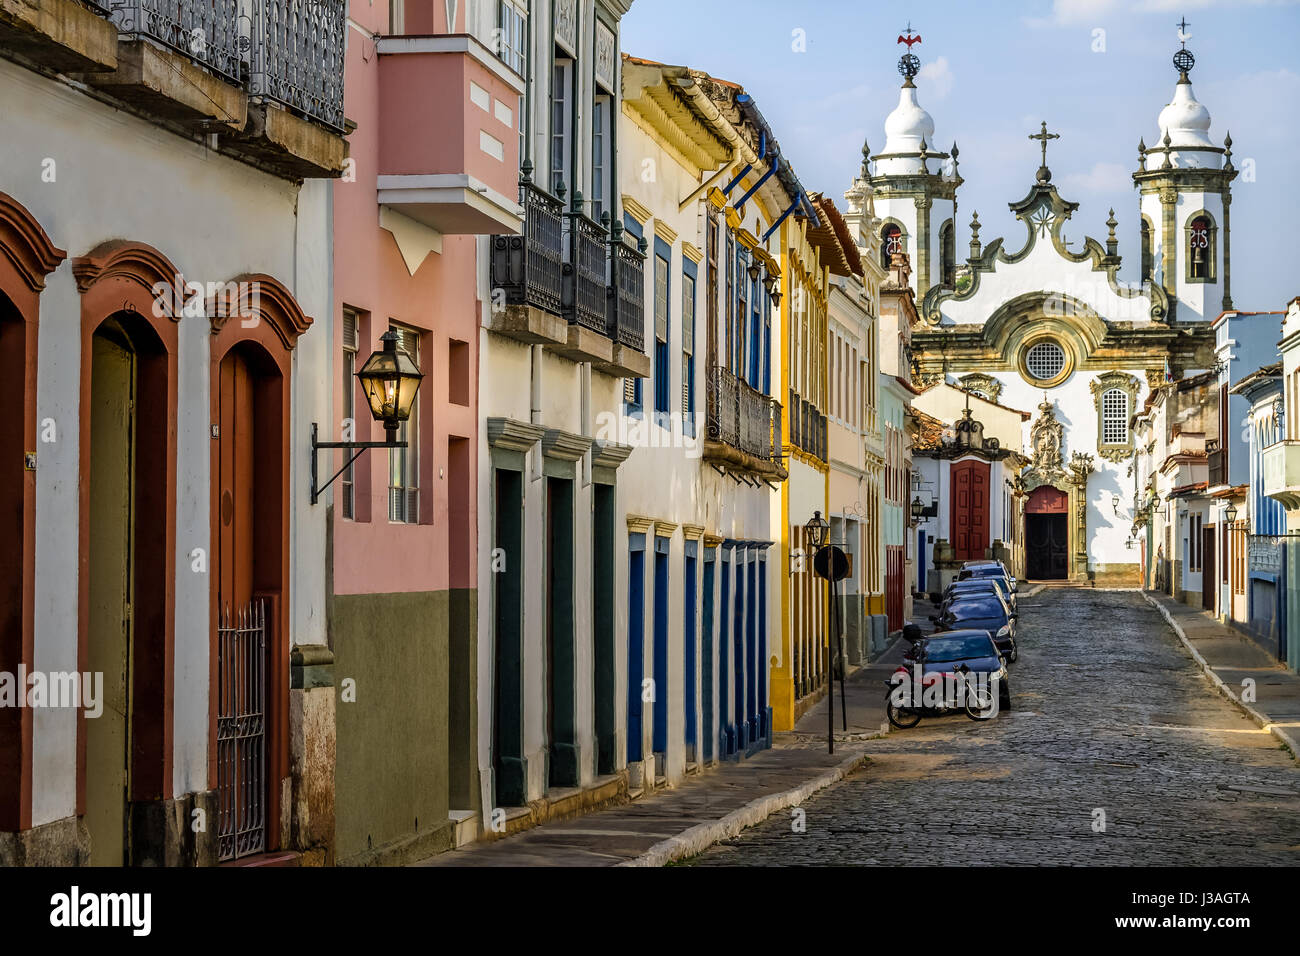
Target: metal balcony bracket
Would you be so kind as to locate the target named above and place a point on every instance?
(356, 447)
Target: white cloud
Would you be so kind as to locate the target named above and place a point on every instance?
(1102, 178)
(937, 77)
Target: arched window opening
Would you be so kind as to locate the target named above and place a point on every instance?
(891, 241)
(947, 255)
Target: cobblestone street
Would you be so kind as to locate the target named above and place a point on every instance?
(1110, 714)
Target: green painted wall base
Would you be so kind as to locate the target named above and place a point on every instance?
(395, 713)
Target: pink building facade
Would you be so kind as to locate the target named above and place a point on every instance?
(434, 163)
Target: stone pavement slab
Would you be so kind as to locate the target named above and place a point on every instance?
(1229, 659)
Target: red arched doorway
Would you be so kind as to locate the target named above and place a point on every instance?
(1047, 534)
(255, 326)
(27, 256)
(127, 531)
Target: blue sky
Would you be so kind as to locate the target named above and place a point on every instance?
(992, 71)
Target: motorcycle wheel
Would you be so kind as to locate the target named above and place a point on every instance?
(979, 705)
(901, 717)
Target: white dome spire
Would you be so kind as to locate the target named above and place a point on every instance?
(906, 129)
(1185, 122)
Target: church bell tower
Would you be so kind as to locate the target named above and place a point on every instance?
(915, 186)
(1185, 196)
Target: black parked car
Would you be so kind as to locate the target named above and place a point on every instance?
(987, 569)
(974, 586)
(985, 613)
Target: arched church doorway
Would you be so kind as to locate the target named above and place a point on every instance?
(1047, 534)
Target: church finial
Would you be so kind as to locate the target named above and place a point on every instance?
(975, 236)
(1183, 59)
(1112, 243)
(909, 64)
(866, 158)
(1227, 151)
(1044, 174)
(1167, 144)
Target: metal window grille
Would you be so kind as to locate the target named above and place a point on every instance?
(1045, 360)
(241, 731)
(346, 492)
(404, 463)
(1114, 417)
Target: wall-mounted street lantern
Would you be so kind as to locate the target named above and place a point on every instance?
(815, 531)
(1231, 513)
(390, 380)
(754, 268)
(1114, 503)
(918, 509)
(769, 283)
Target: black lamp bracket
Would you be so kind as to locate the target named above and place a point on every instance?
(356, 447)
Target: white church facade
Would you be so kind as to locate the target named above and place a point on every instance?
(1038, 322)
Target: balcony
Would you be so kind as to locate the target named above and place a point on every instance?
(1281, 472)
(265, 76)
(743, 429)
(450, 160)
(1218, 462)
(583, 298)
(807, 427)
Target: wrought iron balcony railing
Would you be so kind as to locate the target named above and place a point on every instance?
(297, 56)
(207, 31)
(626, 296)
(807, 427)
(741, 416)
(291, 51)
(585, 272)
(529, 268)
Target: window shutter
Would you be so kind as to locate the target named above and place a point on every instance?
(349, 329)
(629, 391)
(686, 384)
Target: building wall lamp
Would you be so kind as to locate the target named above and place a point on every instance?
(390, 380)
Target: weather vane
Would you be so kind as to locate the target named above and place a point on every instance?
(1183, 59)
(909, 64)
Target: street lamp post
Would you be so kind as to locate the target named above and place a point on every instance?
(390, 379)
(830, 563)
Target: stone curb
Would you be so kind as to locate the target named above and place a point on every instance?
(1262, 719)
(703, 835)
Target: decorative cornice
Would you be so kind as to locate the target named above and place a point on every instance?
(639, 212)
(636, 524)
(256, 298)
(664, 529)
(692, 531)
(513, 435)
(665, 232)
(566, 446)
(122, 259)
(608, 454)
(713, 540)
(26, 245)
(691, 252)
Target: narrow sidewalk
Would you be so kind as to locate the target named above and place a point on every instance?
(673, 823)
(1231, 659)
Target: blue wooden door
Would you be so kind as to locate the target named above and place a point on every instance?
(690, 695)
(660, 662)
(635, 643)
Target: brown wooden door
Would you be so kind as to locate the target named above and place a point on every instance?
(970, 509)
(1209, 583)
(236, 477)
